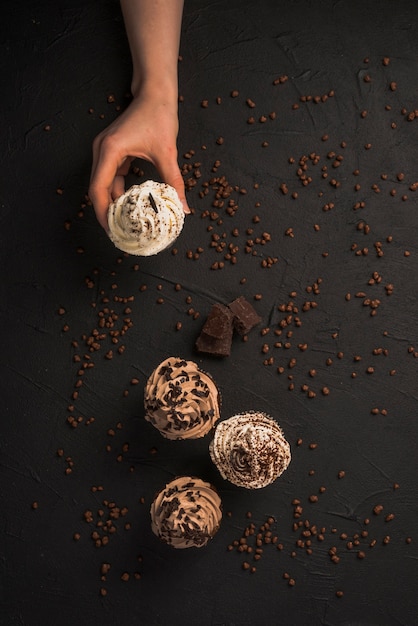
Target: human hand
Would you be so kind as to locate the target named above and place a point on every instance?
(147, 129)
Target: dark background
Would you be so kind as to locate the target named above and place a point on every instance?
(65, 70)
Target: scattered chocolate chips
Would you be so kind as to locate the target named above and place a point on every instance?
(224, 206)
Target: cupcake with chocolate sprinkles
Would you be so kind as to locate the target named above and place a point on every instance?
(146, 219)
(181, 400)
(250, 450)
(186, 513)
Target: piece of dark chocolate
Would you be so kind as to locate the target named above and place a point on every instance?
(219, 323)
(245, 316)
(216, 335)
(215, 346)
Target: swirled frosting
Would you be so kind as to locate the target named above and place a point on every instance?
(146, 219)
(186, 513)
(180, 400)
(250, 450)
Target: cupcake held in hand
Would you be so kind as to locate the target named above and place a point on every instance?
(146, 219)
(250, 450)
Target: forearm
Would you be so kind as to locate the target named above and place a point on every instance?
(153, 29)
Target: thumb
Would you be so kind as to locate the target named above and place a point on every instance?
(171, 174)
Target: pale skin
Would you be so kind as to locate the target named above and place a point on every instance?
(148, 128)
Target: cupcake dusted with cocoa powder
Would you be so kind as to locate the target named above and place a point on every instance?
(181, 400)
(250, 450)
(146, 219)
(186, 513)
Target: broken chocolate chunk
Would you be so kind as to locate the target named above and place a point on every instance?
(219, 322)
(212, 345)
(245, 316)
(216, 335)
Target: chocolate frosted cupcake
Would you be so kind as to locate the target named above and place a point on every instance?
(250, 450)
(146, 219)
(186, 513)
(181, 401)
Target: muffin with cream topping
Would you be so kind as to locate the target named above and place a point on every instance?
(181, 400)
(186, 513)
(146, 219)
(250, 450)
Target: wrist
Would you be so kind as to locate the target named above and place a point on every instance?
(161, 88)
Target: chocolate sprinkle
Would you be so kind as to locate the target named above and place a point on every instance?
(153, 203)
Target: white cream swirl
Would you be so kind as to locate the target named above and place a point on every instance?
(250, 450)
(146, 219)
(186, 513)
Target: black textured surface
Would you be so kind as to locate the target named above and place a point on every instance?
(61, 60)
